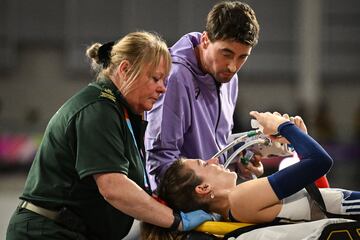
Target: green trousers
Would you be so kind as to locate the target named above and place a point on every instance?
(26, 225)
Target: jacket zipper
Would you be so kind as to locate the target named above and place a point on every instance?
(219, 112)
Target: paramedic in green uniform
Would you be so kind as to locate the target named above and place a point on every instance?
(87, 180)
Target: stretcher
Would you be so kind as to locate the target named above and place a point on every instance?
(329, 228)
(325, 229)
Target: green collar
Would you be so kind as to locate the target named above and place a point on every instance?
(111, 92)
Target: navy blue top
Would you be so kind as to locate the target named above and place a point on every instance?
(314, 163)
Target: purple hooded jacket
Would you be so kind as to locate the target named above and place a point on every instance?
(194, 118)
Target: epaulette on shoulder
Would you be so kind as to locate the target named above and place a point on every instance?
(107, 93)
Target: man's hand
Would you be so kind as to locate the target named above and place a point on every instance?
(253, 167)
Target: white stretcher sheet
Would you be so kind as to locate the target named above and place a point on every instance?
(298, 231)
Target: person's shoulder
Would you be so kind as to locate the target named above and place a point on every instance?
(180, 68)
(180, 74)
(183, 54)
(102, 109)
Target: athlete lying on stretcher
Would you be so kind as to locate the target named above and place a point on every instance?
(191, 184)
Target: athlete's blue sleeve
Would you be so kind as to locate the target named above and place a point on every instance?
(314, 163)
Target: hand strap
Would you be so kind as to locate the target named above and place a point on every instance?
(177, 219)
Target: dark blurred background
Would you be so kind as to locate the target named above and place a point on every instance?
(306, 63)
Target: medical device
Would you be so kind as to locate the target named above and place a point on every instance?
(253, 142)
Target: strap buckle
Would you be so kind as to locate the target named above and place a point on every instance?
(39, 210)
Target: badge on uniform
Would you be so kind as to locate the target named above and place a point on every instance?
(107, 93)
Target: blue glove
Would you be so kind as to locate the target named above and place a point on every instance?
(191, 220)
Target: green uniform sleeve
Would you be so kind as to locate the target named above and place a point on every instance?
(100, 140)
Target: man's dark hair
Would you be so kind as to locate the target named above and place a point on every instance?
(233, 20)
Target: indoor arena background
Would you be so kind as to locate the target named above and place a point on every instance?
(307, 62)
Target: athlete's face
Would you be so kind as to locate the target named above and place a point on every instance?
(212, 173)
(223, 58)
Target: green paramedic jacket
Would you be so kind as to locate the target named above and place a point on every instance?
(86, 136)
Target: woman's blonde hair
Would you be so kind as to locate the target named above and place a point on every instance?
(139, 48)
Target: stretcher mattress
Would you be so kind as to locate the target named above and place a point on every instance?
(325, 229)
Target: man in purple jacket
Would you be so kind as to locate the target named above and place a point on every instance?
(194, 118)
